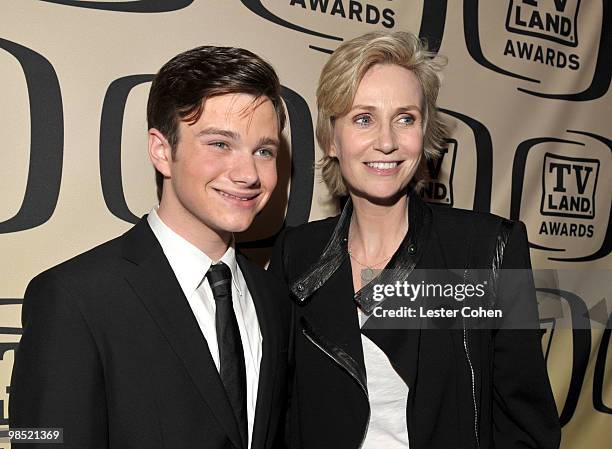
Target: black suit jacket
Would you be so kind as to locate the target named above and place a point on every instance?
(506, 403)
(112, 353)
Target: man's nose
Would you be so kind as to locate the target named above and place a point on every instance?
(244, 170)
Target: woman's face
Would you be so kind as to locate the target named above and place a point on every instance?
(379, 141)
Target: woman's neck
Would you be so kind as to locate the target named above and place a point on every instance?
(377, 230)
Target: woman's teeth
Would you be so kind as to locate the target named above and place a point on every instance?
(382, 165)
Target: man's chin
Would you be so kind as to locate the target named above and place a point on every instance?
(239, 225)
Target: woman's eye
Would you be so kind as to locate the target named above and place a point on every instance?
(406, 120)
(363, 120)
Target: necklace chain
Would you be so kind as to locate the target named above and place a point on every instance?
(350, 252)
(371, 267)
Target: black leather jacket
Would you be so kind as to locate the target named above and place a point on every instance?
(456, 391)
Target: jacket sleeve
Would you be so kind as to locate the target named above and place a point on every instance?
(290, 435)
(57, 379)
(524, 411)
(278, 260)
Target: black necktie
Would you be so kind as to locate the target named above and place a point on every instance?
(231, 355)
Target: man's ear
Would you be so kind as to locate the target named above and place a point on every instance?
(160, 152)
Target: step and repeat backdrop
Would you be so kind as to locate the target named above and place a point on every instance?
(525, 92)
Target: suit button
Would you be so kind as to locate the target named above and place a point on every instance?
(412, 248)
(300, 287)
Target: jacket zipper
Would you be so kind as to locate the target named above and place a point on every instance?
(363, 387)
(467, 354)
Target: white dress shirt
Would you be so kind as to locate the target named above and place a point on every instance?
(190, 266)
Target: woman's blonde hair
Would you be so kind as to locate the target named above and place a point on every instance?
(342, 74)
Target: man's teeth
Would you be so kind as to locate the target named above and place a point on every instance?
(241, 198)
(382, 165)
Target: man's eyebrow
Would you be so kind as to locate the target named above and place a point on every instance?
(219, 131)
(268, 141)
(235, 136)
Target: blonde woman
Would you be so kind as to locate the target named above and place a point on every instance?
(356, 386)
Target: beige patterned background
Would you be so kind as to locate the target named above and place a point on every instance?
(526, 91)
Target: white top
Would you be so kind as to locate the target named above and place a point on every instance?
(190, 266)
(388, 395)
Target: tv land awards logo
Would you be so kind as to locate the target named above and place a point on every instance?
(351, 10)
(311, 16)
(544, 33)
(568, 190)
(553, 20)
(467, 155)
(439, 186)
(568, 186)
(569, 220)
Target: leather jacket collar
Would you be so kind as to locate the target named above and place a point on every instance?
(398, 269)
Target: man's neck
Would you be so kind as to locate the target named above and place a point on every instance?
(212, 243)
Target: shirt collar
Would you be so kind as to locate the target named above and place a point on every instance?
(189, 263)
(229, 259)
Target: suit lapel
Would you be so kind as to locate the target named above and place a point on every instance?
(267, 317)
(155, 284)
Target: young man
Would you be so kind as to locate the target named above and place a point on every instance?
(166, 337)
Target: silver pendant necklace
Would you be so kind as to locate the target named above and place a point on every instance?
(369, 272)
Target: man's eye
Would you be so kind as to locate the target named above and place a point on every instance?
(265, 152)
(220, 145)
